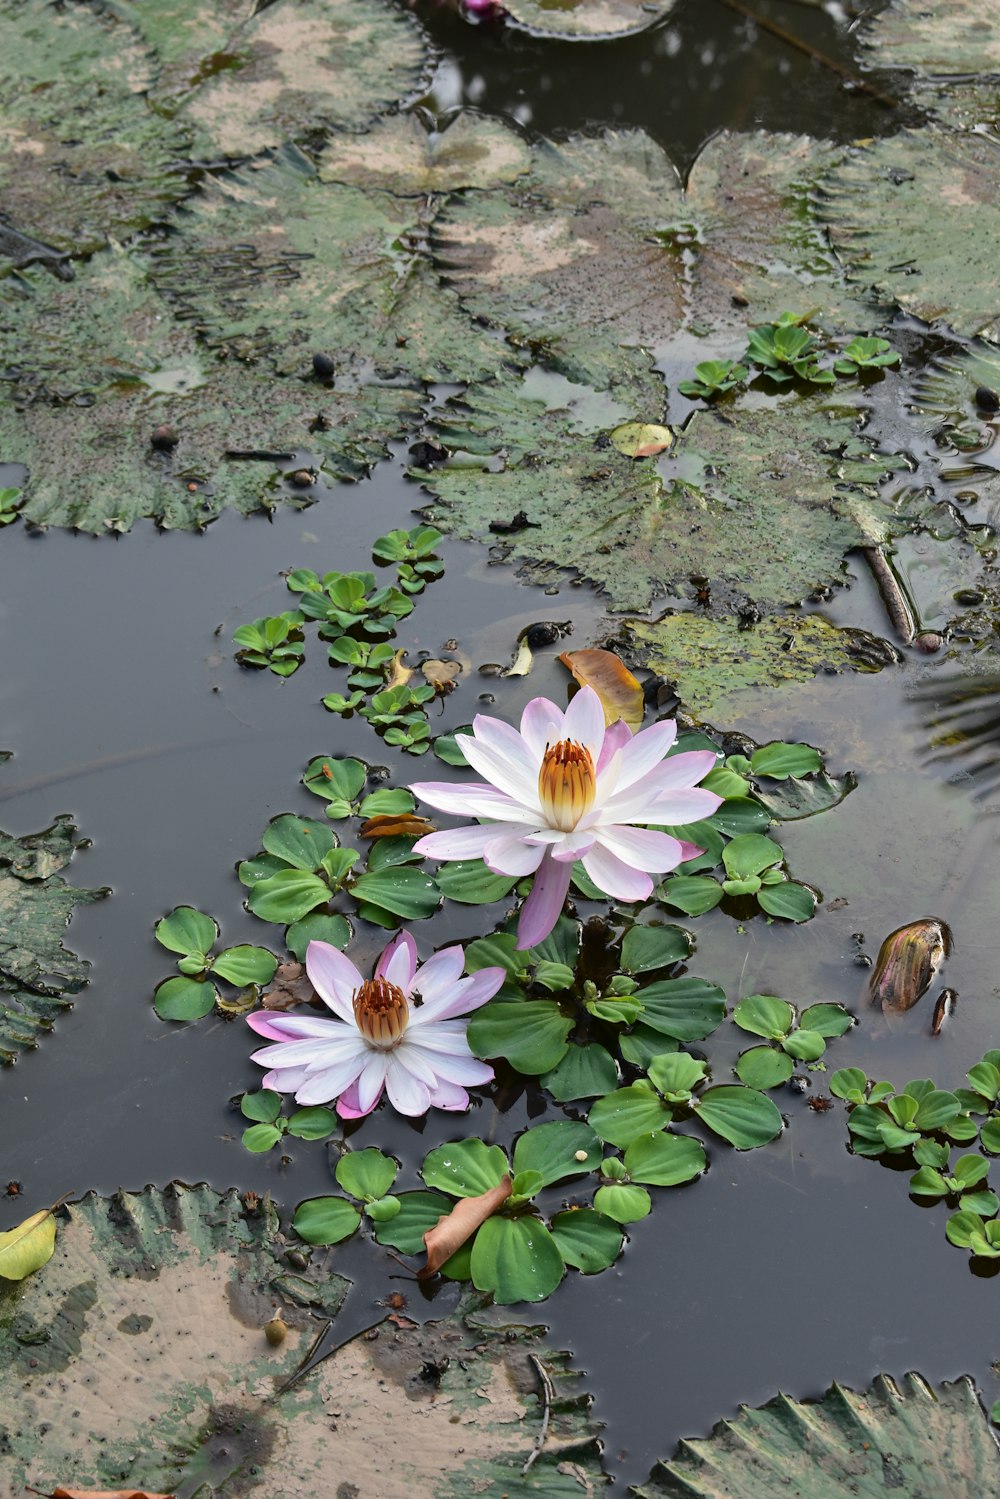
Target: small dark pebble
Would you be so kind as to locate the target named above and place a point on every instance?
(798, 1084)
(296, 1258)
(968, 596)
(545, 632)
(987, 399)
(302, 478)
(486, 697)
(929, 642)
(323, 366)
(492, 669)
(427, 453)
(862, 960)
(164, 438)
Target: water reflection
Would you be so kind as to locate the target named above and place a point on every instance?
(962, 715)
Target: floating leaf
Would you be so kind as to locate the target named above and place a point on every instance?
(619, 691)
(469, 881)
(326, 1220)
(400, 889)
(664, 1159)
(623, 1203)
(554, 1151)
(641, 439)
(451, 1231)
(27, 1247)
(645, 948)
(530, 1033)
(589, 1241)
(245, 965)
(287, 896)
(584, 1072)
(187, 931)
(628, 1113)
(467, 1168)
(790, 901)
(301, 842)
(689, 1009)
(367, 1174)
(401, 155)
(779, 761)
(764, 1067)
(516, 1259)
(743, 1116)
(184, 999)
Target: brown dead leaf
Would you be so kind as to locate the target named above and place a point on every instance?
(451, 1231)
(289, 988)
(395, 825)
(441, 675)
(61, 1493)
(619, 691)
(398, 674)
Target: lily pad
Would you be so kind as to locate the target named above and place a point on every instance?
(586, 20)
(273, 264)
(713, 662)
(921, 1441)
(69, 186)
(936, 37)
(291, 70)
(406, 156)
(147, 1330)
(39, 977)
(914, 218)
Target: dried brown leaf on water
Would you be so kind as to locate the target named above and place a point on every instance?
(451, 1231)
(441, 675)
(396, 825)
(641, 439)
(64, 1493)
(907, 963)
(28, 1246)
(619, 691)
(399, 674)
(290, 987)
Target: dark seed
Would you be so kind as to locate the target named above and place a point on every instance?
(164, 438)
(987, 399)
(323, 366)
(302, 478)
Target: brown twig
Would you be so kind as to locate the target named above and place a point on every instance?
(897, 605)
(800, 45)
(548, 1397)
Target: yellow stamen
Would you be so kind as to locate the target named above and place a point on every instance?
(566, 784)
(382, 1013)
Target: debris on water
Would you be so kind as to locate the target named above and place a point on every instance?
(798, 1084)
(620, 692)
(944, 1008)
(441, 675)
(929, 641)
(908, 962)
(276, 1331)
(323, 366)
(164, 438)
(898, 605)
(987, 399)
(518, 522)
(303, 478)
(428, 453)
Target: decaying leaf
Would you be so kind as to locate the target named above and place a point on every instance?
(398, 674)
(908, 962)
(619, 691)
(451, 1231)
(641, 439)
(27, 1247)
(64, 1493)
(441, 675)
(395, 825)
(290, 987)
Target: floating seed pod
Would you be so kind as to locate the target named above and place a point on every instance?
(907, 963)
(944, 1008)
(276, 1331)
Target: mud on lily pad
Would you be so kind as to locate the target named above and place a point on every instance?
(138, 1356)
(39, 977)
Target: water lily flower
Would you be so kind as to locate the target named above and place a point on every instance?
(567, 787)
(398, 1031)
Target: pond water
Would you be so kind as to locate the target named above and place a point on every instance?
(784, 1268)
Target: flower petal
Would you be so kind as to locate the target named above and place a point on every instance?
(574, 845)
(311, 1051)
(615, 877)
(437, 976)
(474, 800)
(639, 804)
(285, 1081)
(347, 1103)
(498, 735)
(334, 977)
(584, 721)
(512, 854)
(278, 1027)
(515, 777)
(458, 843)
(540, 911)
(458, 999)
(327, 1083)
(449, 1096)
(407, 1092)
(616, 736)
(466, 1071)
(541, 725)
(644, 750)
(398, 962)
(372, 1081)
(644, 850)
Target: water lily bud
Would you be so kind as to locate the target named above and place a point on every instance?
(907, 963)
(276, 1330)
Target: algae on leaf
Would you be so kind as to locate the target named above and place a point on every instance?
(917, 1440)
(84, 156)
(38, 975)
(714, 663)
(937, 38)
(587, 20)
(407, 155)
(270, 263)
(915, 218)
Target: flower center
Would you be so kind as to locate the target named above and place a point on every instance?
(382, 1013)
(566, 784)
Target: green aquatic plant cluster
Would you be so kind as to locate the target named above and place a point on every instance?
(193, 993)
(785, 350)
(924, 1124)
(356, 619)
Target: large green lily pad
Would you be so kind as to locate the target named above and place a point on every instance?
(915, 219)
(145, 1333)
(300, 66)
(715, 665)
(273, 264)
(84, 156)
(908, 1437)
(39, 977)
(755, 501)
(601, 248)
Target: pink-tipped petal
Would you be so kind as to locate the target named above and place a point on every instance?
(584, 721)
(615, 877)
(513, 776)
(467, 1071)
(347, 1103)
(438, 975)
(458, 998)
(510, 854)
(540, 911)
(689, 850)
(458, 843)
(327, 1083)
(616, 736)
(451, 1097)
(646, 851)
(644, 751)
(640, 804)
(277, 1027)
(407, 1092)
(334, 977)
(475, 800)
(541, 725)
(398, 962)
(573, 846)
(285, 1081)
(310, 1051)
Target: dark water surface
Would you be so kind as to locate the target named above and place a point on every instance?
(784, 1268)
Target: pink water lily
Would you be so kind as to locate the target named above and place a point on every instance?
(565, 788)
(398, 1031)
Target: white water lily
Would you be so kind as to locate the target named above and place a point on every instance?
(567, 787)
(397, 1032)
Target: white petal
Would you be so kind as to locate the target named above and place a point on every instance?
(647, 851)
(407, 1093)
(616, 878)
(311, 1051)
(541, 725)
(324, 1084)
(398, 962)
(285, 1081)
(637, 804)
(441, 971)
(644, 751)
(372, 1080)
(584, 721)
(274, 1026)
(459, 843)
(334, 977)
(449, 1096)
(515, 777)
(512, 854)
(474, 800)
(462, 1070)
(574, 845)
(458, 999)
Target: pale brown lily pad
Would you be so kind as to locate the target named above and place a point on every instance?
(410, 155)
(587, 20)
